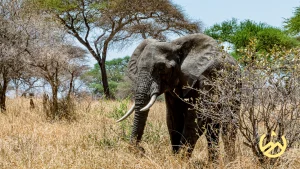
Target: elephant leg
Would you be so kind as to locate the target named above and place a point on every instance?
(229, 132)
(175, 120)
(212, 136)
(190, 135)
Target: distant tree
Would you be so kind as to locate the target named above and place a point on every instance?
(75, 69)
(293, 24)
(116, 70)
(26, 83)
(239, 34)
(58, 65)
(13, 46)
(100, 24)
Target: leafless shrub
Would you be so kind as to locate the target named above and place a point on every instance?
(65, 109)
(269, 98)
(272, 101)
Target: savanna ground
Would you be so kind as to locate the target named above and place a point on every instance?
(95, 140)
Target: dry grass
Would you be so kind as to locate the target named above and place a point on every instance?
(28, 140)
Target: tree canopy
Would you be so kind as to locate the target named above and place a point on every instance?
(116, 70)
(241, 33)
(98, 24)
(293, 24)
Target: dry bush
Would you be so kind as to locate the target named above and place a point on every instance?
(65, 108)
(269, 97)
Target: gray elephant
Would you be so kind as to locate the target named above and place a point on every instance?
(159, 67)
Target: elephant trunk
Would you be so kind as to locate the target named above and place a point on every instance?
(143, 92)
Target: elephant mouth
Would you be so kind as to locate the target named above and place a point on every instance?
(151, 102)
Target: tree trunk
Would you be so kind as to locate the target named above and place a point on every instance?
(3, 89)
(54, 85)
(104, 79)
(2, 101)
(70, 86)
(105, 82)
(54, 101)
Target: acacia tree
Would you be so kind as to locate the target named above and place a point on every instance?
(98, 24)
(75, 68)
(13, 46)
(57, 64)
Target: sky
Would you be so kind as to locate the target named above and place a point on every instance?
(210, 12)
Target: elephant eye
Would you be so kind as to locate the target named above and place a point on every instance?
(161, 67)
(178, 60)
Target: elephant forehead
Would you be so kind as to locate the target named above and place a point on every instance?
(155, 53)
(160, 47)
(196, 59)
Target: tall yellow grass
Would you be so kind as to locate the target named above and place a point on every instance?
(94, 140)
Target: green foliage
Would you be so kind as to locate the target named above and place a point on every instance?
(270, 36)
(57, 5)
(224, 31)
(100, 142)
(71, 12)
(293, 24)
(154, 133)
(120, 110)
(116, 69)
(117, 113)
(246, 31)
(240, 34)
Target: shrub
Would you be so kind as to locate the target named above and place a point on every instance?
(65, 110)
(269, 98)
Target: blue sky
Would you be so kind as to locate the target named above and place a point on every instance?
(210, 12)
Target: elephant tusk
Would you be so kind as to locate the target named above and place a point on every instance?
(130, 111)
(153, 99)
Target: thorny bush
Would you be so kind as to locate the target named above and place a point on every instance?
(269, 97)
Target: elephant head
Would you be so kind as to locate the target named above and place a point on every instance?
(156, 67)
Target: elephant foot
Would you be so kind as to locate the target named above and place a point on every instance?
(230, 153)
(205, 164)
(213, 154)
(229, 158)
(213, 159)
(199, 164)
(183, 152)
(137, 150)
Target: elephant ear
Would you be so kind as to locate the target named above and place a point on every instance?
(198, 53)
(134, 59)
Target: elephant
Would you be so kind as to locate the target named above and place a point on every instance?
(158, 67)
